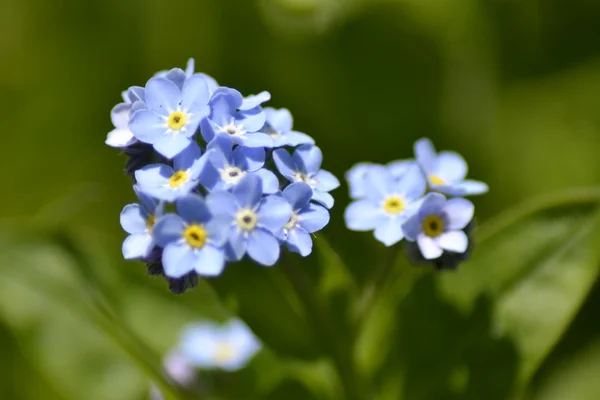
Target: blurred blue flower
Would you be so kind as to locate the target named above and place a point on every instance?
(138, 220)
(438, 224)
(357, 175)
(305, 166)
(233, 117)
(387, 204)
(173, 114)
(226, 166)
(446, 171)
(252, 218)
(192, 240)
(306, 219)
(166, 183)
(279, 127)
(228, 347)
(179, 370)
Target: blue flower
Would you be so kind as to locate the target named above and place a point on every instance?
(279, 127)
(387, 204)
(306, 219)
(305, 166)
(357, 175)
(192, 240)
(252, 218)
(173, 114)
(438, 224)
(210, 346)
(166, 183)
(179, 370)
(233, 117)
(446, 171)
(226, 166)
(138, 220)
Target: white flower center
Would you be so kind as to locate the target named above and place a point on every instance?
(232, 175)
(232, 129)
(292, 222)
(246, 220)
(302, 177)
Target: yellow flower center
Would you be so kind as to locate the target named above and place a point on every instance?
(178, 179)
(292, 222)
(195, 236)
(393, 205)
(246, 220)
(225, 352)
(150, 222)
(436, 180)
(176, 120)
(433, 226)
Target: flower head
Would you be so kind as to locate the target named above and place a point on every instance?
(192, 239)
(279, 127)
(438, 224)
(387, 204)
(446, 171)
(138, 220)
(169, 183)
(305, 166)
(306, 218)
(173, 113)
(210, 346)
(252, 220)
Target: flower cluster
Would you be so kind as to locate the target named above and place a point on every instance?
(214, 178)
(420, 200)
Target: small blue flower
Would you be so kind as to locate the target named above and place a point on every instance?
(438, 224)
(305, 166)
(210, 346)
(252, 218)
(192, 240)
(306, 219)
(446, 171)
(233, 117)
(166, 183)
(179, 370)
(173, 114)
(279, 127)
(387, 204)
(226, 167)
(138, 220)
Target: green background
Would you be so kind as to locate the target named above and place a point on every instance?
(511, 85)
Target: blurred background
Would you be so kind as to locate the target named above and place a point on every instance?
(511, 85)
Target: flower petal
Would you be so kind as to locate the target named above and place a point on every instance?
(237, 244)
(256, 100)
(222, 204)
(184, 160)
(147, 126)
(313, 218)
(308, 158)
(270, 183)
(119, 115)
(263, 247)
(273, 213)
(425, 154)
(295, 138)
(389, 231)
(326, 181)
(378, 184)
(400, 167)
(412, 184)
(248, 159)
(323, 198)
(429, 248)
(459, 213)
(432, 204)
(194, 95)
(168, 229)
(137, 246)
(120, 138)
(193, 209)
(356, 178)
(249, 191)
(162, 96)
(464, 188)
(412, 227)
(298, 194)
(252, 120)
(455, 241)
(299, 241)
(280, 120)
(171, 145)
(450, 167)
(210, 261)
(285, 164)
(178, 259)
(363, 215)
(256, 139)
(133, 219)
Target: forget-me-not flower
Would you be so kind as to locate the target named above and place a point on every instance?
(173, 114)
(438, 224)
(166, 183)
(210, 346)
(306, 218)
(138, 220)
(305, 166)
(230, 117)
(192, 240)
(279, 127)
(446, 171)
(387, 204)
(226, 166)
(252, 220)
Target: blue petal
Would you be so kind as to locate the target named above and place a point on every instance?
(133, 219)
(413, 184)
(133, 94)
(178, 259)
(326, 181)
(363, 215)
(429, 248)
(137, 246)
(450, 167)
(425, 154)
(412, 227)
(248, 159)
(168, 229)
(210, 177)
(147, 126)
(189, 68)
(119, 115)
(252, 120)
(171, 145)
(285, 164)
(389, 231)
(249, 191)
(193, 209)
(356, 177)
(455, 241)
(195, 94)
(177, 76)
(198, 166)
(298, 194)
(223, 145)
(162, 96)
(222, 204)
(237, 245)
(400, 167)
(218, 230)
(459, 213)
(274, 212)
(255, 100)
(147, 202)
(270, 183)
(153, 175)
(263, 247)
(184, 160)
(197, 344)
(210, 82)
(120, 138)
(308, 158)
(432, 204)
(379, 183)
(313, 218)
(464, 188)
(208, 129)
(294, 138)
(323, 198)
(256, 139)
(299, 241)
(209, 261)
(280, 120)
